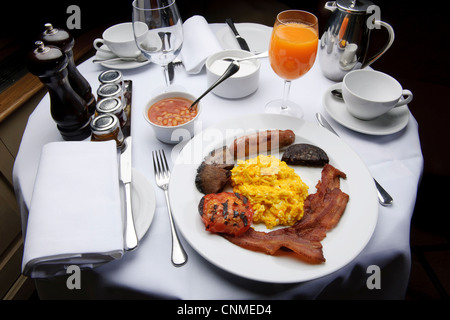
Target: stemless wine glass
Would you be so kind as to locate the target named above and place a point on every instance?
(158, 31)
(292, 53)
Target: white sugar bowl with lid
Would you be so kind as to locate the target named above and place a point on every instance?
(239, 85)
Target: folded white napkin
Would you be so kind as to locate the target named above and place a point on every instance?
(199, 43)
(75, 213)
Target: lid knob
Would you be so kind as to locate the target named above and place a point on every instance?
(49, 29)
(40, 47)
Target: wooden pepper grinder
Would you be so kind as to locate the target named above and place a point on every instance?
(67, 108)
(62, 39)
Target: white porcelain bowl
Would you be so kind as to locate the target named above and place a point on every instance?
(239, 85)
(176, 134)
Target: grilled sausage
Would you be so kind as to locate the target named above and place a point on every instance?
(260, 142)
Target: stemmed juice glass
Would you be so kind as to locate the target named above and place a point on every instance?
(292, 53)
(158, 31)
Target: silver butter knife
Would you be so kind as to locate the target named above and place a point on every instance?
(131, 240)
(383, 197)
(242, 43)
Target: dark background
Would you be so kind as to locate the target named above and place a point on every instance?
(419, 59)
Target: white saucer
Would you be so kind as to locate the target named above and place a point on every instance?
(256, 35)
(118, 65)
(389, 123)
(143, 202)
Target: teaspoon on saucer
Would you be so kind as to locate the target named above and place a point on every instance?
(139, 59)
(337, 93)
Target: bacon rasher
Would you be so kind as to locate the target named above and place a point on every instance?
(322, 212)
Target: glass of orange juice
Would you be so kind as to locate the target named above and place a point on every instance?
(292, 53)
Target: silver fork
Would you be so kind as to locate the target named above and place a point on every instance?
(162, 176)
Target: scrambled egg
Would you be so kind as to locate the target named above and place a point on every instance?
(275, 191)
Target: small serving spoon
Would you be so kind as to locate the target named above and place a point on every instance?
(232, 69)
(257, 56)
(139, 59)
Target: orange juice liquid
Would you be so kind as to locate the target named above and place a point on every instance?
(293, 50)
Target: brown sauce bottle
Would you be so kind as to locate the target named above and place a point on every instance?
(67, 108)
(62, 39)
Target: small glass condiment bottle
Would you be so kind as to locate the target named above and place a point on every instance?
(106, 127)
(111, 90)
(112, 77)
(112, 106)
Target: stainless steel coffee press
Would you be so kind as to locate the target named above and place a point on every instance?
(344, 43)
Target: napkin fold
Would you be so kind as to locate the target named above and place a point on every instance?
(199, 43)
(75, 213)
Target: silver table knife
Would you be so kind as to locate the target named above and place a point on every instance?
(242, 43)
(131, 240)
(384, 198)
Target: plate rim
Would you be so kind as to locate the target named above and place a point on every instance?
(140, 185)
(226, 30)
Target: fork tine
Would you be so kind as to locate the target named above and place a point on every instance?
(155, 163)
(162, 169)
(166, 168)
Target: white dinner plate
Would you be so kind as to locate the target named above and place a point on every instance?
(256, 35)
(389, 123)
(143, 202)
(119, 65)
(340, 246)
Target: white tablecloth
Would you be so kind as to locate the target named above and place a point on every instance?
(395, 161)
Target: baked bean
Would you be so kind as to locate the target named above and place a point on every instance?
(171, 112)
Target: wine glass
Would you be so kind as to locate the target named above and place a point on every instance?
(158, 31)
(292, 53)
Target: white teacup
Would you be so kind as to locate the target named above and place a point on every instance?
(369, 94)
(119, 40)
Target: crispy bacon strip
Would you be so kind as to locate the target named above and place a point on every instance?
(323, 210)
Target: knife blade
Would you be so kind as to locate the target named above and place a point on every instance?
(131, 240)
(242, 43)
(383, 196)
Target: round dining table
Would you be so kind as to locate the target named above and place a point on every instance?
(379, 271)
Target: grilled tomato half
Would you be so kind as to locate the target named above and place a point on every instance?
(226, 212)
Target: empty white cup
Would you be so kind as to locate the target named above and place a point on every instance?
(369, 94)
(119, 40)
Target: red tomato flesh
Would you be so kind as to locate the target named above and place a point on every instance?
(226, 212)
